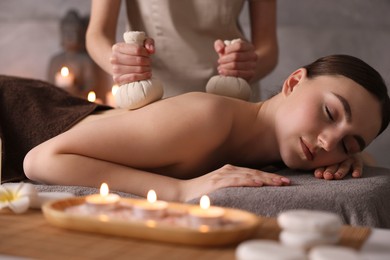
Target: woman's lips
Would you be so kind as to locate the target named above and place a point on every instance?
(306, 151)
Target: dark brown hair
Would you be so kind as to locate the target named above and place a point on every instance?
(358, 71)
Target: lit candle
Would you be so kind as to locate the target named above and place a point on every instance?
(64, 78)
(92, 97)
(104, 199)
(110, 96)
(151, 208)
(204, 215)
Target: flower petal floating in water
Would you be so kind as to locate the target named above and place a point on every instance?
(17, 196)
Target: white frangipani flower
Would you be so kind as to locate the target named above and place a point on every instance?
(17, 196)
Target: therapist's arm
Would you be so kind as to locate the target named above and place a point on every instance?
(252, 60)
(101, 32)
(264, 38)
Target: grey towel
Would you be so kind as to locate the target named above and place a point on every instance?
(360, 202)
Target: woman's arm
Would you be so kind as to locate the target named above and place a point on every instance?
(81, 170)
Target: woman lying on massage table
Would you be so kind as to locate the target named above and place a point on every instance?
(195, 143)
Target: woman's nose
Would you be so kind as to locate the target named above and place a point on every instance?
(329, 139)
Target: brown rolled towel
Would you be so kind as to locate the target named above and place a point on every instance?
(31, 112)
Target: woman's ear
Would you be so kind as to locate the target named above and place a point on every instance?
(293, 81)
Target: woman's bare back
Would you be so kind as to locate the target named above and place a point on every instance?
(153, 138)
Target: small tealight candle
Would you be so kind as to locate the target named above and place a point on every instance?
(150, 208)
(104, 199)
(204, 215)
(110, 96)
(64, 78)
(92, 97)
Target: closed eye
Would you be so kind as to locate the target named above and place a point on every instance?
(328, 113)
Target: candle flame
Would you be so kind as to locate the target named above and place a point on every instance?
(204, 202)
(64, 71)
(91, 96)
(152, 196)
(114, 89)
(104, 191)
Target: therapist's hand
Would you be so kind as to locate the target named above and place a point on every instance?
(353, 164)
(131, 62)
(237, 59)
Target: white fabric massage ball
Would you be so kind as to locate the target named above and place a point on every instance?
(258, 249)
(135, 37)
(229, 86)
(139, 93)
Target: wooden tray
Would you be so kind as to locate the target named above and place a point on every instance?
(55, 214)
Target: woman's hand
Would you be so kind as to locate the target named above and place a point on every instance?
(131, 62)
(353, 164)
(237, 59)
(229, 176)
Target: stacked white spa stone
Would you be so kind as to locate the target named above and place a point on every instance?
(306, 234)
(261, 249)
(258, 249)
(333, 252)
(306, 229)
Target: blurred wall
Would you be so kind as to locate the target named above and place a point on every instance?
(307, 30)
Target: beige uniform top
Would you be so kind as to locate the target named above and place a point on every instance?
(184, 32)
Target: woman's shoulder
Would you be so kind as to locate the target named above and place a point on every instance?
(203, 98)
(199, 100)
(197, 106)
(205, 105)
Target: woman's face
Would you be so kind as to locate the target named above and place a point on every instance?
(324, 120)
